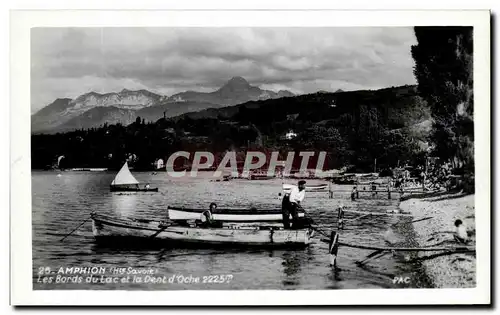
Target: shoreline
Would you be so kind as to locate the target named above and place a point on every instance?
(446, 271)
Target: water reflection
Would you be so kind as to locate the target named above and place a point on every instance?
(292, 263)
(335, 278)
(124, 204)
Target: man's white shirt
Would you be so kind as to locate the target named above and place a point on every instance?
(296, 195)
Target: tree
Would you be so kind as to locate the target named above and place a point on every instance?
(443, 69)
(320, 138)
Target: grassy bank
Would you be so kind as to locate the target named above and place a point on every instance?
(446, 271)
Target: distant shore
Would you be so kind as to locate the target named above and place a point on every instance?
(450, 271)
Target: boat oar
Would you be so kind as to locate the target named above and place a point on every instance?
(319, 231)
(314, 222)
(423, 219)
(75, 229)
(333, 248)
(163, 228)
(415, 221)
(372, 256)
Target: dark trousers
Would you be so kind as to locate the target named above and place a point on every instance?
(287, 209)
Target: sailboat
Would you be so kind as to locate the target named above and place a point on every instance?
(125, 181)
(59, 161)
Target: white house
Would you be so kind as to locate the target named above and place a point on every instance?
(159, 163)
(290, 135)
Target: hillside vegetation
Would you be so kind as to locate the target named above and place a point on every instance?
(353, 127)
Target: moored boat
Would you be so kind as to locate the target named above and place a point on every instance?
(106, 228)
(260, 176)
(132, 188)
(320, 187)
(125, 181)
(228, 215)
(344, 180)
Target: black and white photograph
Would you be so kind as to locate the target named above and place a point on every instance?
(289, 158)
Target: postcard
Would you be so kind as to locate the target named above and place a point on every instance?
(250, 157)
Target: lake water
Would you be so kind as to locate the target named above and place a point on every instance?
(61, 203)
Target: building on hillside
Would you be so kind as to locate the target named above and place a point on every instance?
(159, 164)
(290, 135)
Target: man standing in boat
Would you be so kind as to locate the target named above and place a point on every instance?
(291, 205)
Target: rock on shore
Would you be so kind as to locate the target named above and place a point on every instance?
(450, 271)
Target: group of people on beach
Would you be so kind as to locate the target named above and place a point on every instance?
(434, 177)
(439, 176)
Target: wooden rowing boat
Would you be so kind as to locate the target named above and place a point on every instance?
(260, 176)
(120, 231)
(131, 188)
(320, 187)
(228, 215)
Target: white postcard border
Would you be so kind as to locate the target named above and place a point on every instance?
(21, 254)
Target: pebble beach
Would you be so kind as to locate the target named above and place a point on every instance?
(457, 270)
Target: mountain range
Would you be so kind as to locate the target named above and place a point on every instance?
(235, 91)
(94, 109)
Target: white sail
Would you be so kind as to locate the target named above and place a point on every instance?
(124, 177)
(59, 160)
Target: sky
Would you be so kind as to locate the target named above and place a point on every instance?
(68, 62)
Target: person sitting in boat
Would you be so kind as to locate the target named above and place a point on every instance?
(206, 217)
(205, 220)
(291, 205)
(147, 186)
